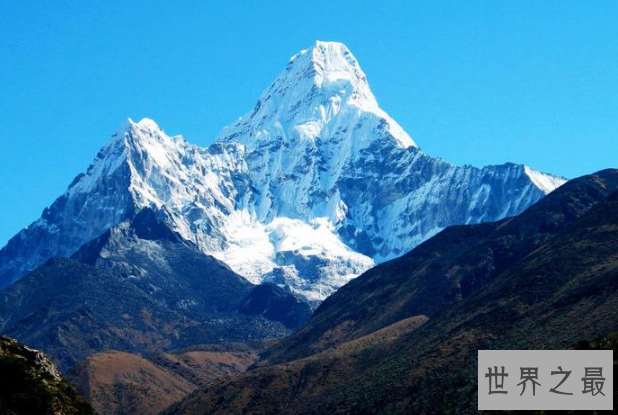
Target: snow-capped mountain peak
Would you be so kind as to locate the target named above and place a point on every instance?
(322, 92)
(135, 149)
(307, 190)
(331, 66)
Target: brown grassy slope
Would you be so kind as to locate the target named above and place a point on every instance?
(117, 382)
(274, 390)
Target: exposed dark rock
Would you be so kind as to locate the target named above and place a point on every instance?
(30, 384)
(274, 303)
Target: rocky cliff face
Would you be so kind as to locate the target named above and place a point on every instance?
(312, 187)
(31, 384)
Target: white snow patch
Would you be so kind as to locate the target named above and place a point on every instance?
(545, 182)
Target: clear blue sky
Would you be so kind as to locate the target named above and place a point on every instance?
(475, 82)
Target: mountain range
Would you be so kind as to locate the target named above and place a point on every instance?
(312, 260)
(309, 189)
(403, 337)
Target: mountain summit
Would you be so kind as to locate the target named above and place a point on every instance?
(308, 190)
(322, 91)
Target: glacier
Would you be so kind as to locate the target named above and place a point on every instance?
(313, 186)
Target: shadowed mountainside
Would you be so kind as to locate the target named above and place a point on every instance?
(441, 272)
(139, 288)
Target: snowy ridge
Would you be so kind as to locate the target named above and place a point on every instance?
(543, 181)
(308, 190)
